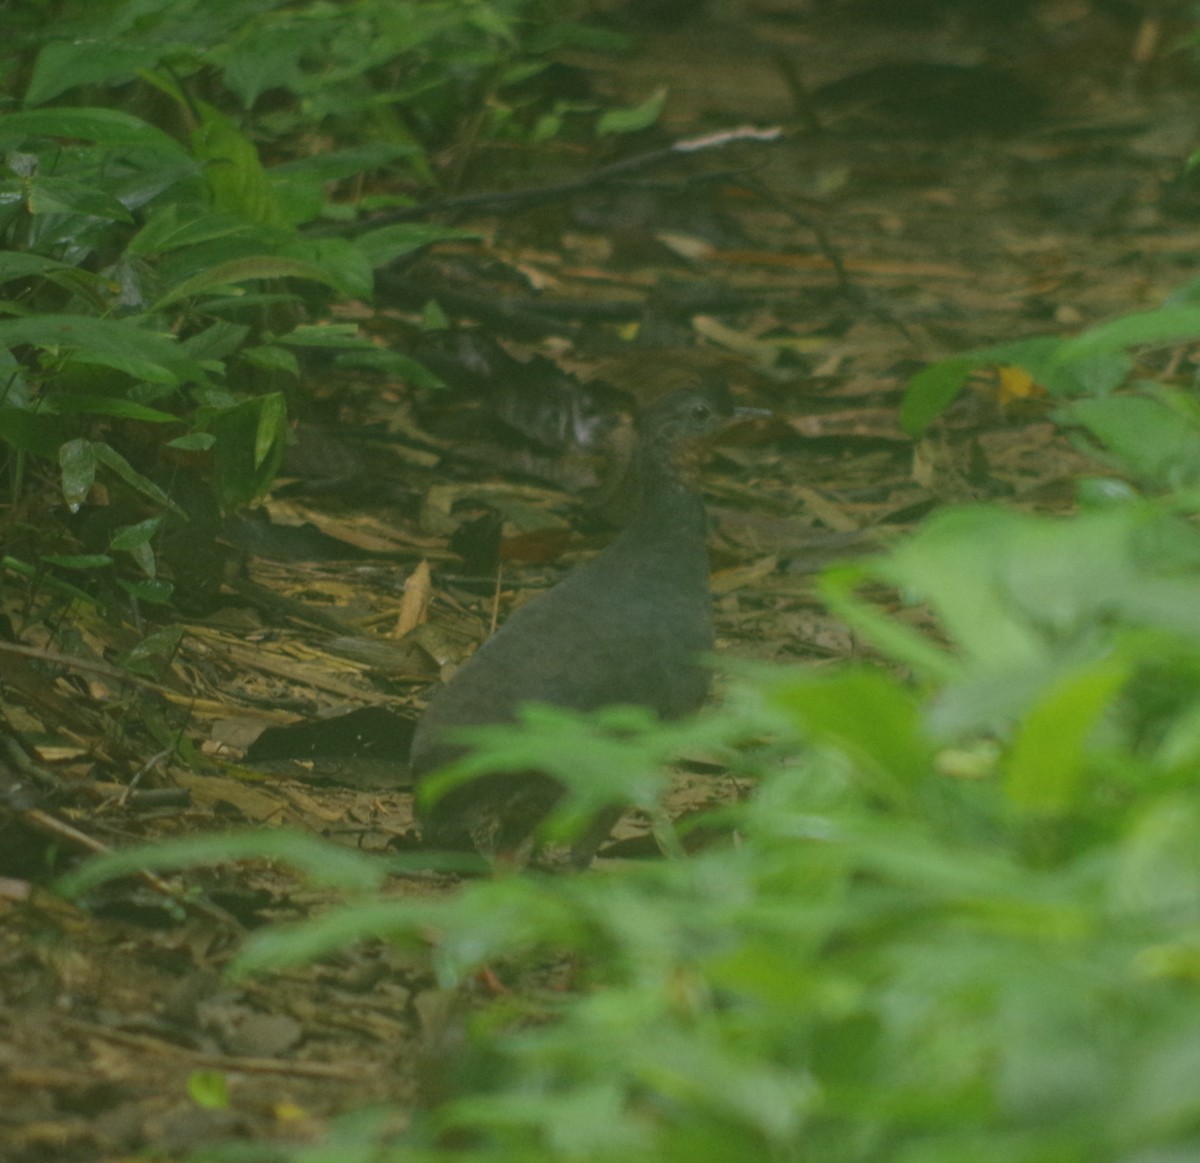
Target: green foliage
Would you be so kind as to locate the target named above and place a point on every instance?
(1094, 363)
(167, 211)
(959, 918)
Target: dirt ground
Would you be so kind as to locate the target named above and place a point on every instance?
(1034, 187)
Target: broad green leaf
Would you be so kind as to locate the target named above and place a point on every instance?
(326, 863)
(103, 126)
(217, 341)
(866, 714)
(20, 265)
(131, 536)
(66, 196)
(153, 654)
(109, 342)
(1163, 325)
(838, 591)
(241, 270)
(381, 359)
(1044, 770)
(250, 439)
(67, 64)
(956, 563)
(1148, 436)
(270, 58)
(66, 404)
(342, 263)
(235, 175)
(175, 227)
(389, 243)
(935, 388)
(272, 359)
(932, 390)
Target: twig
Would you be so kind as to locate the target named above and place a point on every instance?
(605, 175)
(229, 1062)
(832, 255)
(70, 662)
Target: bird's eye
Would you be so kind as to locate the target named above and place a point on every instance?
(701, 412)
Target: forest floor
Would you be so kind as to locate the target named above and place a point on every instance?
(1051, 202)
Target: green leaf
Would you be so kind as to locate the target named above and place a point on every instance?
(389, 243)
(103, 126)
(113, 460)
(235, 175)
(153, 654)
(83, 562)
(1044, 770)
(36, 432)
(129, 537)
(20, 265)
(935, 388)
(193, 442)
(176, 226)
(932, 390)
(838, 586)
(148, 589)
(326, 335)
(66, 403)
(67, 64)
(1157, 439)
(635, 117)
(866, 714)
(271, 432)
(217, 341)
(342, 263)
(250, 439)
(433, 318)
(391, 363)
(108, 342)
(325, 863)
(270, 58)
(66, 196)
(77, 461)
(208, 1089)
(241, 270)
(272, 359)
(1163, 325)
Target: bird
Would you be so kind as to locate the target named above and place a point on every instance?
(631, 626)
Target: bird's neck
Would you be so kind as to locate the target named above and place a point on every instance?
(668, 511)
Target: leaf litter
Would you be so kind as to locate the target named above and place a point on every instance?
(880, 250)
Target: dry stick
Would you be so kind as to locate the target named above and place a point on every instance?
(496, 598)
(532, 319)
(52, 826)
(72, 663)
(831, 254)
(230, 1062)
(503, 200)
